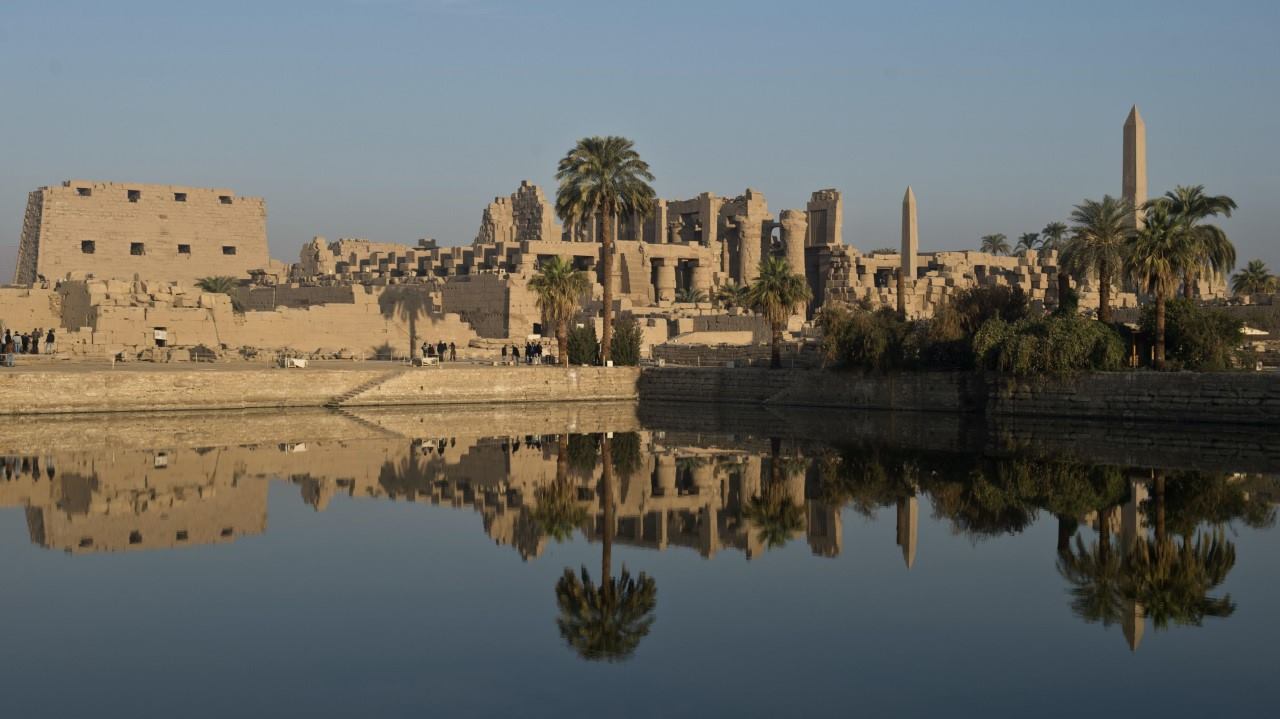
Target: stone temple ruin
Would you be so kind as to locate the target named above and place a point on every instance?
(114, 266)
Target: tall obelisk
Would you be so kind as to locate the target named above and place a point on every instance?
(1134, 187)
(910, 247)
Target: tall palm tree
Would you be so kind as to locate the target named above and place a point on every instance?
(1254, 279)
(605, 621)
(557, 512)
(1211, 252)
(1171, 579)
(559, 289)
(772, 511)
(996, 244)
(406, 302)
(1052, 237)
(603, 179)
(776, 294)
(1097, 244)
(1027, 241)
(1155, 258)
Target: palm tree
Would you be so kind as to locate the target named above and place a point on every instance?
(732, 294)
(690, 295)
(222, 285)
(1027, 241)
(996, 244)
(1211, 252)
(1155, 258)
(776, 293)
(773, 511)
(1051, 238)
(603, 179)
(1254, 279)
(557, 512)
(1097, 244)
(605, 621)
(1171, 580)
(559, 289)
(1095, 574)
(406, 302)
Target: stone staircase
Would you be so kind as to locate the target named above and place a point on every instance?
(339, 400)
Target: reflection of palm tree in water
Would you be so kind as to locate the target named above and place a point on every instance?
(773, 511)
(605, 621)
(557, 512)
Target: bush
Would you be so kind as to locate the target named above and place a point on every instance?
(974, 306)
(867, 340)
(584, 348)
(1051, 345)
(1195, 337)
(624, 347)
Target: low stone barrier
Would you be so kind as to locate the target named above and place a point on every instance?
(1212, 397)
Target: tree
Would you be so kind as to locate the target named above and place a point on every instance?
(773, 512)
(222, 285)
(1155, 258)
(1254, 279)
(1027, 241)
(406, 302)
(559, 289)
(603, 179)
(1052, 238)
(1097, 244)
(690, 295)
(557, 511)
(776, 293)
(605, 621)
(996, 244)
(1210, 252)
(628, 338)
(732, 294)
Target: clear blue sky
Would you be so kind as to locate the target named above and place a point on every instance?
(399, 119)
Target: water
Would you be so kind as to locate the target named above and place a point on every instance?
(396, 563)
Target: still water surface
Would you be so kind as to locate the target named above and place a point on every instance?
(453, 563)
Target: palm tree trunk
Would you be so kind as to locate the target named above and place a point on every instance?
(1159, 330)
(606, 248)
(413, 337)
(1104, 291)
(562, 342)
(1066, 528)
(1064, 286)
(606, 490)
(776, 351)
(1188, 285)
(1160, 519)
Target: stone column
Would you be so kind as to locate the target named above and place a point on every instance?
(795, 226)
(702, 278)
(667, 475)
(659, 220)
(748, 249)
(665, 290)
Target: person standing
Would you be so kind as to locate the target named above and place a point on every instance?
(515, 354)
(504, 353)
(49, 342)
(453, 352)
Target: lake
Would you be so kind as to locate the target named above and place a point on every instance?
(625, 560)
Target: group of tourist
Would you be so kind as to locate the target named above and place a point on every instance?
(14, 468)
(532, 353)
(25, 344)
(441, 350)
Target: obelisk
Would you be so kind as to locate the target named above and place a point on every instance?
(910, 246)
(1134, 188)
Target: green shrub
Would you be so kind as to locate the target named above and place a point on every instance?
(974, 306)
(861, 339)
(1051, 345)
(1195, 337)
(584, 348)
(624, 347)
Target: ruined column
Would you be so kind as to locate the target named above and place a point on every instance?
(1134, 187)
(795, 228)
(665, 289)
(702, 278)
(667, 475)
(748, 249)
(659, 220)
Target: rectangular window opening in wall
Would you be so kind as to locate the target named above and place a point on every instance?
(86, 541)
(224, 199)
(228, 249)
(135, 195)
(88, 246)
(227, 531)
(84, 191)
(182, 535)
(135, 537)
(137, 249)
(184, 249)
(179, 197)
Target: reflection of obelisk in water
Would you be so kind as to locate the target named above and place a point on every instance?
(908, 527)
(910, 247)
(1133, 523)
(1134, 186)
(1134, 623)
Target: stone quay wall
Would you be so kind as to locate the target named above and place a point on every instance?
(1217, 397)
(145, 389)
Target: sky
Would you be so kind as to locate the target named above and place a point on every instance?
(401, 119)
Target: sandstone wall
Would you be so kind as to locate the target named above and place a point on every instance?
(461, 385)
(23, 310)
(142, 230)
